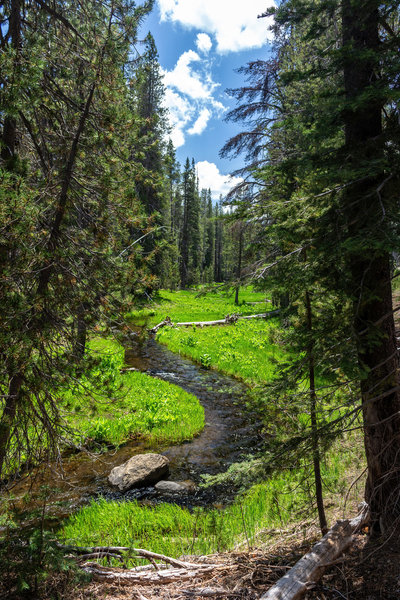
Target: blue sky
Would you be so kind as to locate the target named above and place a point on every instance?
(200, 44)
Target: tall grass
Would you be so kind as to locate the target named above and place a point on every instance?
(248, 350)
(175, 531)
(194, 305)
(120, 406)
(172, 530)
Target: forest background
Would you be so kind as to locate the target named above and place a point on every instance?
(96, 213)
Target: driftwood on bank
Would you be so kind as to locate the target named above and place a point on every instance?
(311, 566)
(170, 570)
(228, 320)
(160, 577)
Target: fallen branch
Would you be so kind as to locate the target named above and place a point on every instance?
(207, 592)
(142, 575)
(117, 551)
(133, 577)
(312, 565)
(228, 320)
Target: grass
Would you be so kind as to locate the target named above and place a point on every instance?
(248, 350)
(128, 405)
(187, 305)
(176, 531)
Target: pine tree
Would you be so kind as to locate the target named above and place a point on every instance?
(327, 177)
(147, 151)
(65, 199)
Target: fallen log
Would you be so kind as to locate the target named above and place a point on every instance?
(228, 320)
(311, 566)
(103, 551)
(132, 577)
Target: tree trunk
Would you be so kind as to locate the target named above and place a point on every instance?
(314, 423)
(365, 204)
(9, 137)
(8, 417)
(239, 265)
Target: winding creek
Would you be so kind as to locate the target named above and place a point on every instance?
(230, 432)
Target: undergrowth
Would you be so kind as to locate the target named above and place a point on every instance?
(197, 305)
(119, 406)
(175, 531)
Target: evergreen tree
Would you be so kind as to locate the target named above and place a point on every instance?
(172, 222)
(209, 238)
(147, 152)
(218, 243)
(65, 197)
(190, 233)
(327, 173)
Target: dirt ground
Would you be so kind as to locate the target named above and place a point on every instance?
(369, 571)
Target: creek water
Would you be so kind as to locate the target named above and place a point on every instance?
(230, 432)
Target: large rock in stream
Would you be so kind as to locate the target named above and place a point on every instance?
(140, 470)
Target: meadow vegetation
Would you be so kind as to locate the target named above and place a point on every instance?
(249, 350)
(200, 305)
(253, 518)
(108, 407)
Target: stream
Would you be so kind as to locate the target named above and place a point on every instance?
(230, 432)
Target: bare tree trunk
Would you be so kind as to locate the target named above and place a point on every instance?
(8, 417)
(239, 264)
(370, 267)
(314, 422)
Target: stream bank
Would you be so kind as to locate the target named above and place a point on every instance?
(230, 432)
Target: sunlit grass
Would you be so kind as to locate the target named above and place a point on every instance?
(248, 350)
(176, 531)
(188, 305)
(126, 405)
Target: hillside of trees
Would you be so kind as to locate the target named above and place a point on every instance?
(97, 218)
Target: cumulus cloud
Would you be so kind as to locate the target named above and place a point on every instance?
(203, 43)
(211, 178)
(187, 80)
(201, 123)
(189, 96)
(180, 114)
(233, 22)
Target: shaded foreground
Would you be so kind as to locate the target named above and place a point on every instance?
(368, 571)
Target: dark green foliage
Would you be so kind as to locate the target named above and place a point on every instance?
(33, 563)
(323, 159)
(67, 206)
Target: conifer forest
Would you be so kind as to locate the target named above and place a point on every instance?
(199, 382)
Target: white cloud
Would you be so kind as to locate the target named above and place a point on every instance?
(203, 43)
(201, 123)
(180, 114)
(234, 23)
(188, 81)
(189, 96)
(211, 177)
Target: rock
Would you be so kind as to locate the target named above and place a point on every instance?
(140, 470)
(175, 487)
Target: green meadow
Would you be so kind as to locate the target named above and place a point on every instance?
(248, 350)
(199, 305)
(252, 519)
(110, 407)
